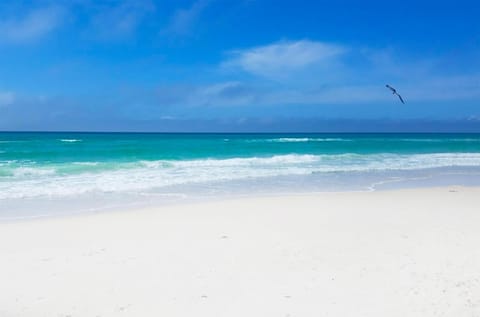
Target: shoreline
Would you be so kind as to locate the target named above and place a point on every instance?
(230, 197)
(399, 252)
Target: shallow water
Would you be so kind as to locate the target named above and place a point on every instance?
(48, 173)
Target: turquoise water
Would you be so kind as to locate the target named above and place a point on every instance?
(46, 148)
(56, 166)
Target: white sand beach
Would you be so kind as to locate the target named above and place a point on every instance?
(392, 253)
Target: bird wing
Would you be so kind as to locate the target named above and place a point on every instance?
(391, 88)
(401, 99)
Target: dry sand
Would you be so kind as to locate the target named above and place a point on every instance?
(395, 253)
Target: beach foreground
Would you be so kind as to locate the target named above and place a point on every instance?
(392, 253)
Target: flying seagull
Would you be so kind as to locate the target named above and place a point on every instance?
(395, 92)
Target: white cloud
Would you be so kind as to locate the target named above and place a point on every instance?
(184, 19)
(32, 26)
(6, 98)
(312, 72)
(279, 59)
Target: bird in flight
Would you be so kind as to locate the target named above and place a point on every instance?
(395, 92)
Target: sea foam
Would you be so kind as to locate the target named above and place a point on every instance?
(144, 175)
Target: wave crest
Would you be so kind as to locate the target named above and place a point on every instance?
(70, 140)
(294, 140)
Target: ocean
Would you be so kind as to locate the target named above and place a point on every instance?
(52, 173)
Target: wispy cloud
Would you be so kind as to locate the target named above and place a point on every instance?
(240, 94)
(183, 20)
(474, 118)
(230, 93)
(282, 58)
(313, 72)
(248, 94)
(119, 19)
(6, 98)
(31, 26)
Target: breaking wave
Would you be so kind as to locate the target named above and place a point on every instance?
(29, 180)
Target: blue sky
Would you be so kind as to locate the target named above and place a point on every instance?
(244, 65)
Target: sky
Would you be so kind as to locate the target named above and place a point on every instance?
(239, 66)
